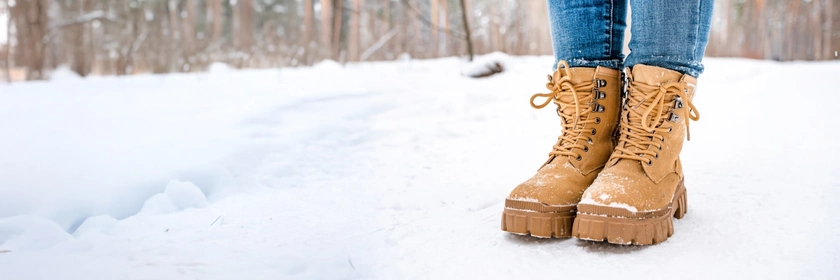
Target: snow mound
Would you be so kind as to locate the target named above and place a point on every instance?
(185, 195)
(219, 67)
(28, 233)
(64, 73)
(177, 196)
(328, 66)
(103, 224)
(487, 65)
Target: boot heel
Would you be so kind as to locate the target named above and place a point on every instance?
(682, 202)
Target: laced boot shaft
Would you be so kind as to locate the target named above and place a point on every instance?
(582, 104)
(588, 103)
(642, 186)
(651, 112)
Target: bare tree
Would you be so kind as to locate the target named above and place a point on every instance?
(8, 50)
(353, 40)
(337, 21)
(245, 32)
(308, 29)
(30, 18)
(467, 28)
(216, 18)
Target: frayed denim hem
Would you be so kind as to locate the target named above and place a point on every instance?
(685, 66)
(580, 62)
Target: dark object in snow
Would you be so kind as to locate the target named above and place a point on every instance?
(488, 70)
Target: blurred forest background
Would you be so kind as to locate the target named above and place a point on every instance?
(123, 37)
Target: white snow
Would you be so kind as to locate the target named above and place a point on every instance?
(391, 170)
(64, 73)
(625, 206)
(219, 68)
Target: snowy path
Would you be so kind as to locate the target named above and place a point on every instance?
(390, 171)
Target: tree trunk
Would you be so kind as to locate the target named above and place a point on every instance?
(308, 30)
(828, 30)
(466, 29)
(389, 24)
(444, 38)
(76, 37)
(246, 25)
(353, 41)
(8, 44)
(337, 21)
(326, 25)
(495, 37)
(433, 12)
(217, 19)
(30, 18)
(172, 8)
(188, 26)
(816, 21)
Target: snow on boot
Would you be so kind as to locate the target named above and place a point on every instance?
(641, 188)
(588, 102)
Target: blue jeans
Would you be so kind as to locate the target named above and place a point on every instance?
(670, 34)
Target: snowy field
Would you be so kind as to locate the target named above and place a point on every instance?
(394, 170)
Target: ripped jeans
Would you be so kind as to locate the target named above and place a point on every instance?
(666, 33)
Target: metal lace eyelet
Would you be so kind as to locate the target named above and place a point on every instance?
(599, 108)
(598, 94)
(660, 148)
(585, 149)
(656, 156)
(594, 131)
(674, 118)
(671, 128)
(650, 162)
(589, 141)
(601, 83)
(579, 158)
(678, 103)
(597, 120)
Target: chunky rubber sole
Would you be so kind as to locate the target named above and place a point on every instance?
(621, 226)
(537, 219)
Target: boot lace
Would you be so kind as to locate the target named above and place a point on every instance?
(648, 108)
(570, 96)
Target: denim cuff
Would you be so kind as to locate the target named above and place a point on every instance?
(690, 67)
(580, 62)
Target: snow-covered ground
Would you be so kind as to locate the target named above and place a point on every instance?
(390, 171)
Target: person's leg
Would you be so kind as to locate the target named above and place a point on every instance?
(588, 33)
(670, 34)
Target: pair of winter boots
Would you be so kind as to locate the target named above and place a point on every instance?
(614, 174)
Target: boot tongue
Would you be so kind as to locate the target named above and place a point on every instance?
(580, 74)
(577, 75)
(651, 75)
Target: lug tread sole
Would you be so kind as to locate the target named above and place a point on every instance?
(641, 229)
(537, 219)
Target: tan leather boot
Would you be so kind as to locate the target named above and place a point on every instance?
(641, 188)
(588, 102)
